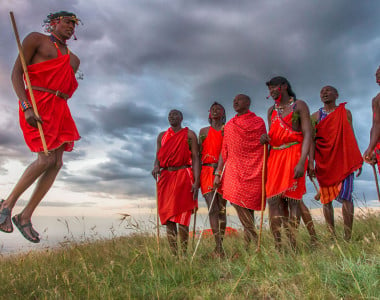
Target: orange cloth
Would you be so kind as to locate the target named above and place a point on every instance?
(281, 162)
(174, 187)
(243, 157)
(58, 125)
(211, 148)
(329, 193)
(337, 154)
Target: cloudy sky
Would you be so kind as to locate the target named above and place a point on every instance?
(142, 58)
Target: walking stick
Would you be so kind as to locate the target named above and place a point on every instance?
(204, 223)
(195, 221)
(24, 67)
(377, 182)
(262, 195)
(158, 221)
(318, 195)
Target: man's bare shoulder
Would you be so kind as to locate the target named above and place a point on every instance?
(191, 134)
(159, 137)
(376, 99)
(74, 61)
(204, 130)
(34, 38)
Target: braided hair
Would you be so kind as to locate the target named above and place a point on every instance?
(279, 80)
(54, 18)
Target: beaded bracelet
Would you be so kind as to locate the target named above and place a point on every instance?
(25, 105)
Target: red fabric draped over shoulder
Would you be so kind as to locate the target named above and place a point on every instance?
(337, 154)
(174, 187)
(285, 154)
(243, 156)
(211, 148)
(58, 125)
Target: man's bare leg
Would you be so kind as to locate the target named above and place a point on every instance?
(293, 221)
(307, 219)
(348, 218)
(328, 212)
(44, 184)
(276, 216)
(247, 220)
(171, 232)
(30, 175)
(217, 217)
(184, 237)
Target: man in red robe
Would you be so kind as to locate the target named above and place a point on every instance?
(337, 156)
(51, 67)
(372, 154)
(289, 137)
(176, 170)
(210, 144)
(242, 161)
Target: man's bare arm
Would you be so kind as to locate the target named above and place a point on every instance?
(375, 130)
(195, 162)
(156, 168)
(304, 113)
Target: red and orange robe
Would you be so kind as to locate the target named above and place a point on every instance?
(243, 157)
(211, 148)
(285, 153)
(58, 125)
(175, 199)
(337, 154)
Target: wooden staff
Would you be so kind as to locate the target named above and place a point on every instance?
(24, 67)
(158, 221)
(318, 195)
(204, 223)
(195, 222)
(262, 195)
(377, 182)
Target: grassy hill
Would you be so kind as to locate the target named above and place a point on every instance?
(132, 268)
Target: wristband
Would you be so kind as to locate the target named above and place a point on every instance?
(25, 105)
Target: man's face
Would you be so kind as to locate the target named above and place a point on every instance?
(275, 91)
(328, 94)
(174, 118)
(240, 104)
(65, 27)
(378, 76)
(216, 112)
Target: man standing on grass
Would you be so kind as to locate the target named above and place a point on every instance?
(337, 156)
(210, 145)
(51, 67)
(242, 159)
(372, 154)
(289, 137)
(176, 170)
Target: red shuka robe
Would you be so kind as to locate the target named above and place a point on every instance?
(58, 125)
(337, 154)
(281, 162)
(174, 187)
(211, 148)
(243, 157)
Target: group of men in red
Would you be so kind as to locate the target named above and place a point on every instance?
(227, 164)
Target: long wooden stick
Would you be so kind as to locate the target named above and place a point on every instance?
(24, 67)
(158, 222)
(204, 223)
(263, 195)
(377, 182)
(195, 222)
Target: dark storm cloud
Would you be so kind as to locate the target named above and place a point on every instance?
(143, 58)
